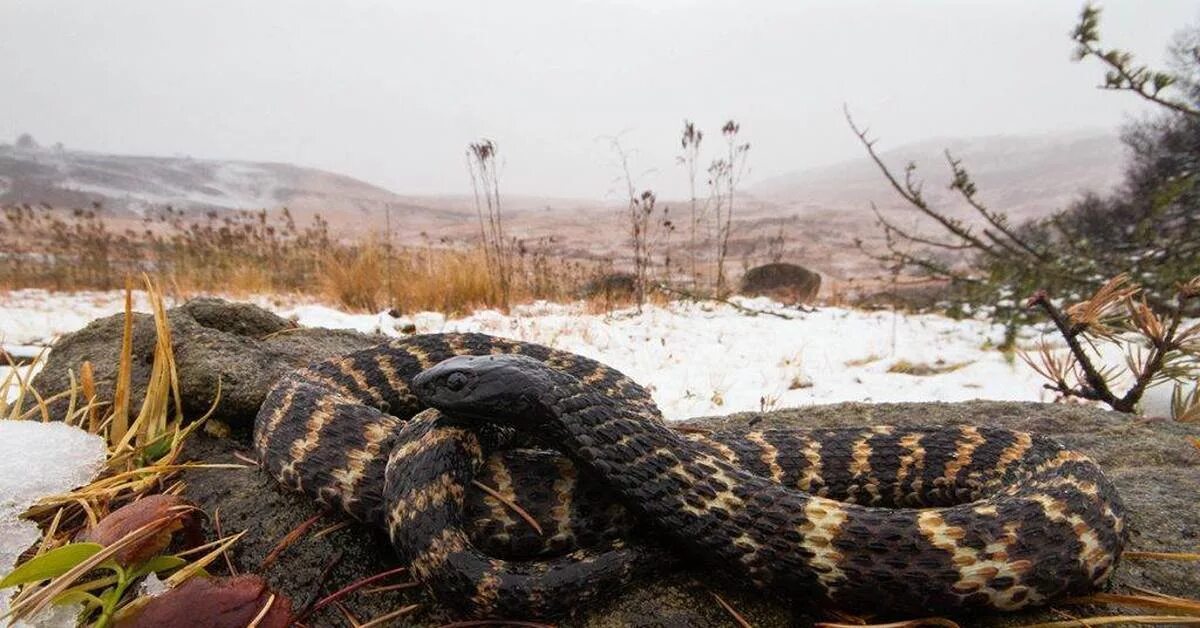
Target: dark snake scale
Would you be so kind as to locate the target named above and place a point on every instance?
(881, 519)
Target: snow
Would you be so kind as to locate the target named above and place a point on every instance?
(151, 586)
(36, 460)
(37, 317)
(697, 358)
(700, 359)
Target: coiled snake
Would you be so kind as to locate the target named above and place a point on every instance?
(902, 519)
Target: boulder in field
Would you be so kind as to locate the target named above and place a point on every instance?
(243, 347)
(788, 282)
(611, 285)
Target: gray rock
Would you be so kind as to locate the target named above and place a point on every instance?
(1153, 463)
(610, 285)
(242, 346)
(912, 296)
(789, 282)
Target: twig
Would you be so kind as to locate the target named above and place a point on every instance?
(387, 617)
(221, 534)
(351, 588)
(495, 622)
(737, 617)
(288, 540)
(737, 306)
(1097, 387)
(966, 188)
(315, 590)
(910, 191)
(1142, 81)
(510, 504)
(1162, 555)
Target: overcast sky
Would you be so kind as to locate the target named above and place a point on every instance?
(391, 92)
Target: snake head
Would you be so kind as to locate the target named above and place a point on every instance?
(507, 388)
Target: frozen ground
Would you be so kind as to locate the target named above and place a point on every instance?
(697, 358)
(39, 459)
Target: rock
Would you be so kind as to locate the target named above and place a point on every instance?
(611, 285)
(914, 296)
(1153, 464)
(244, 347)
(788, 282)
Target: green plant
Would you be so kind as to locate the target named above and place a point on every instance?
(131, 548)
(101, 597)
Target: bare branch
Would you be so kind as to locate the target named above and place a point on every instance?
(910, 191)
(889, 226)
(966, 188)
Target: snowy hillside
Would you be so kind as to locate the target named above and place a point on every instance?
(122, 183)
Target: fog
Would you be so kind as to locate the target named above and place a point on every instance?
(392, 92)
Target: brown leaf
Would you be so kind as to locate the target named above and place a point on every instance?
(214, 603)
(177, 517)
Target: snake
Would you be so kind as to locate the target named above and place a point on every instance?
(327, 430)
(940, 518)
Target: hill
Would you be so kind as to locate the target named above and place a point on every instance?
(1024, 175)
(815, 215)
(129, 185)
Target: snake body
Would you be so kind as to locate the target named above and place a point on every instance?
(326, 431)
(902, 519)
(1013, 519)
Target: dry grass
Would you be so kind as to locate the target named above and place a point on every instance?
(922, 369)
(240, 253)
(143, 458)
(865, 360)
(450, 280)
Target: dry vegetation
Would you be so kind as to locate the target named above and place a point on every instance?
(98, 569)
(261, 252)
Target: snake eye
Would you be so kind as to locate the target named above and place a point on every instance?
(456, 381)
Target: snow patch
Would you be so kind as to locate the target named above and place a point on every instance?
(151, 586)
(712, 359)
(36, 460)
(696, 358)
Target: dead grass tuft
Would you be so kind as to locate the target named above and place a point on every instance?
(143, 459)
(922, 369)
(241, 253)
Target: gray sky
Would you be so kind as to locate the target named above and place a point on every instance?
(392, 91)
